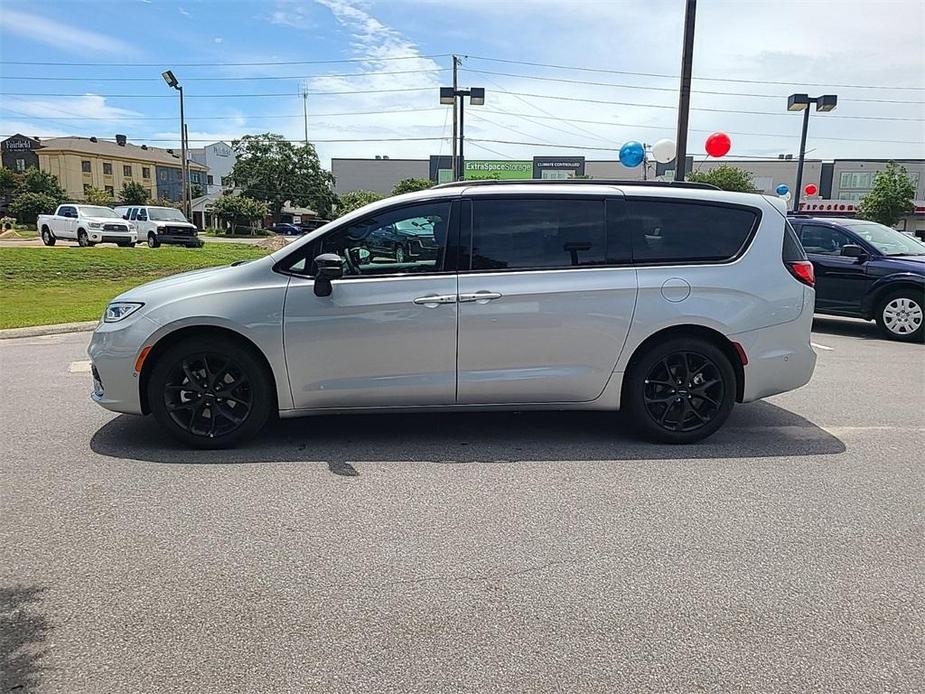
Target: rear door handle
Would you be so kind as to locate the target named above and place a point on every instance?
(481, 297)
(435, 300)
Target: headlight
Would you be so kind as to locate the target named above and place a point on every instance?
(95, 225)
(118, 310)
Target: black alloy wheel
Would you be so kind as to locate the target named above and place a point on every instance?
(209, 394)
(679, 391)
(82, 239)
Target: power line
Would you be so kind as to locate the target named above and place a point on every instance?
(224, 118)
(245, 64)
(228, 79)
(224, 96)
(706, 79)
(673, 90)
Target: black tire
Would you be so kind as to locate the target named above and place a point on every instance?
(82, 239)
(662, 409)
(152, 241)
(901, 315)
(47, 237)
(181, 408)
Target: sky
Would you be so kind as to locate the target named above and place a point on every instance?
(570, 77)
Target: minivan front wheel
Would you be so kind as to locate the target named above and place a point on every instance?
(209, 395)
(680, 391)
(900, 316)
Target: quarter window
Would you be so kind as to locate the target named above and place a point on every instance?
(528, 233)
(675, 231)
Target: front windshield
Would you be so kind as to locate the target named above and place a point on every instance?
(886, 240)
(165, 214)
(90, 211)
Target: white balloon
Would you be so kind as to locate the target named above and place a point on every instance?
(664, 151)
(787, 197)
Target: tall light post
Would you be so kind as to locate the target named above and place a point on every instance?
(801, 102)
(448, 96)
(171, 81)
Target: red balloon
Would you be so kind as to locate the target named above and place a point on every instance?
(718, 144)
(811, 189)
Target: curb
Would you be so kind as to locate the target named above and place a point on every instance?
(39, 330)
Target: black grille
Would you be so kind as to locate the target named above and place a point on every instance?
(178, 231)
(115, 227)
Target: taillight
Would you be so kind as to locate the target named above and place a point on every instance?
(803, 271)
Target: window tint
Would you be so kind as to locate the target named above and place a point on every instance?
(132, 212)
(68, 212)
(675, 231)
(821, 240)
(537, 233)
(395, 242)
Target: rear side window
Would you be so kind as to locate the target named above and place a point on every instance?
(793, 250)
(664, 231)
(528, 233)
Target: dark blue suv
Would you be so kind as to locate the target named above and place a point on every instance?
(867, 270)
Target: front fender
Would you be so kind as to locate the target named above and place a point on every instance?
(886, 284)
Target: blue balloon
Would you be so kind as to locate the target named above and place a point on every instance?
(632, 154)
(782, 189)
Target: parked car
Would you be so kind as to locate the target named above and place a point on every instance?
(867, 270)
(157, 225)
(671, 302)
(286, 229)
(86, 224)
(406, 240)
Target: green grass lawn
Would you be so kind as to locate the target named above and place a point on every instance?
(40, 286)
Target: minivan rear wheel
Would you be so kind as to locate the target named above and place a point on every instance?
(210, 395)
(680, 391)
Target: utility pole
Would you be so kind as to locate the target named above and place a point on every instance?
(184, 167)
(188, 200)
(455, 113)
(684, 99)
(305, 109)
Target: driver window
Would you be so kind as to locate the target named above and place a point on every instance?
(823, 240)
(395, 242)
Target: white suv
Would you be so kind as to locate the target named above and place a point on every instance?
(671, 302)
(156, 225)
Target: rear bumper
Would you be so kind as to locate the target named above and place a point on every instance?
(780, 357)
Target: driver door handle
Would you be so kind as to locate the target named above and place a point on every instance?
(435, 300)
(482, 297)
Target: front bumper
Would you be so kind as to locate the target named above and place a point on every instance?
(113, 350)
(99, 236)
(179, 239)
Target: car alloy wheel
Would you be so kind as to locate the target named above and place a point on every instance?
(208, 395)
(683, 392)
(82, 238)
(902, 316)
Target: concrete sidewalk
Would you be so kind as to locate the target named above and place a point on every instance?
(37, 330)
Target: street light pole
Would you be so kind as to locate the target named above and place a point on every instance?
(455, 113)
(801, 102)
(448, 96)
(172, 81)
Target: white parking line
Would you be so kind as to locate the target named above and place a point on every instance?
(823, 347)
(79, 367)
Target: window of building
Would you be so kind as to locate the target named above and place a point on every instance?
(107, 168)
(145, 172)
(85, 166)
(676, 231)
(527, 233)
(127, 170)
(855, 180)
(162, 174)
(209, 179)
(194, 176)
(411, 239)
(110, 190)
(20, 164)
(87, 187)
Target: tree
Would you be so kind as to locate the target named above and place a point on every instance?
(890, 198)
(195, 190)
(95, 196)
(133, 193)
(726, 177)
(410, 185)
(27, 206)
(10, 182)
(239, 209)
(270, 168)
(348, 202)
(38, 181)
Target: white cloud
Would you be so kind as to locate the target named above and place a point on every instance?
(59, 35)
(291, 14)
(90, 106)
(182, 10)
(217, 39)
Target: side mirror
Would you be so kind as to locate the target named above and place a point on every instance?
(853, 251)
(125, 216)
(328, 266)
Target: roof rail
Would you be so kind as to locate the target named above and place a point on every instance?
(577, 181)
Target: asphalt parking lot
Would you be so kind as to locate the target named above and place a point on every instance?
(482, 553)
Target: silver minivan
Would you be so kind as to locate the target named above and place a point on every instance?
(670, 302)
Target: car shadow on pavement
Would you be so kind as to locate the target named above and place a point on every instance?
(756, 430)
(23, 631)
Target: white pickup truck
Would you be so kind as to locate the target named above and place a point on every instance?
(86, 224)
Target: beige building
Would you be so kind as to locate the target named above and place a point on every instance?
(81, 162)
